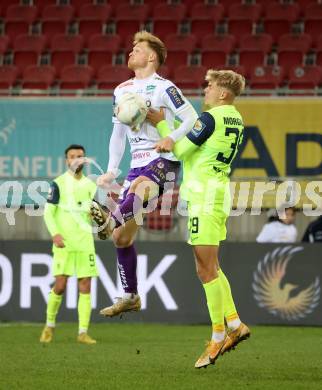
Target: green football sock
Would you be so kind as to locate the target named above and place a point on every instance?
(84, 311)
(214, 294)
(53, 305)
(229, 304)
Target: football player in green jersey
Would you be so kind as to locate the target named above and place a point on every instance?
(207, 152)
(67, 216)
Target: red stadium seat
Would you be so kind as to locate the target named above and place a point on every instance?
(4, 43)
(305, 77)
(60, 59)
(8, 76)
(76, 77)
(239, 28)
(110, 76)
(318, 59)
(41, 4)
(262, 42)
(38, 77)
(87, 28)
(162, 28)
(22, 59)
(13, 29)
(176, 58)
(99, 58)
(276, 28)
(63, 13)
(77, 4)
(180, 42)
(213, 58)
(127, 27)
(31, 43)
(201, 28)
(290, 58)
(7, 3)
(50, 28)
(62, 42)
(227, 3)
(282, 11)
(313, 11)
(164, 11)
(300, 42)
(319, 43)
(224, 43)
(313, 28)
(164, 71)
(239, 11)
(100, 12)
(266, 77)
(250, 59)
(111, 43)
(27, 13)
(203, 11)
(137, 12)
(190, 77)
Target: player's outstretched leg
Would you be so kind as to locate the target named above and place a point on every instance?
(237, 330)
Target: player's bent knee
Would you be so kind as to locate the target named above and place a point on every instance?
(122, 241)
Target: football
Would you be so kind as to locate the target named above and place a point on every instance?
(131, 110)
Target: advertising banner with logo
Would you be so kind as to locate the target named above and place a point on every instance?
(271, 284)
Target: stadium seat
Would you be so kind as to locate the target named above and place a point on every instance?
(4, 43)
(38, 77)
(99, 58)
(162, 28)
(165, 11)
(305, 77)
(87, 28)
(176, 58)
(164, 71)
(201, 28)
(313, 11)
(110, 76)
(300, 42)
(8, 76)
(139, 12)
(76, 77)
(63, 42)
(282, 11)
(239, 28)
(250, 59)
(41, 4)
(31, 43)
(318, 60)
(180, 42)
(262, 42)
(62, 58)
(15, 28)
(111, 43)
(127, 27)
(50, 28)
(213, 58)
(266, 77)
(77, 4)
(290, 58)
(27, 13)
(227, 3)
(63, 13)
(190, 77)
(7, 3)
(224, 43)
(100, 12)
(319, 43)
(22, 59)
(246, 11)
(204, 11)
(313, 28)
(276, 28)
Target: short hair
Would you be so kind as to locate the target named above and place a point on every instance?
(153, 42)
(228, 79)
(74, 146)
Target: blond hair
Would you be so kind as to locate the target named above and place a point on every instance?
(153, 42)
(228, 79)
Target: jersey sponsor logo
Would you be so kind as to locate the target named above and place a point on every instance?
(150, 88)
(140, 155)
(175, 97)
(197, 128)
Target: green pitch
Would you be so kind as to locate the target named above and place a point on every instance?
(142, 356)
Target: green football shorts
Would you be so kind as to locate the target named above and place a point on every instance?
(207, 217)
(81, 264)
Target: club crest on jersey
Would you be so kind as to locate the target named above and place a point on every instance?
(160, 165)
(197, 128)
(175, 97)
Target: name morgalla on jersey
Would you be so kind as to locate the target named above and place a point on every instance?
(157, 92)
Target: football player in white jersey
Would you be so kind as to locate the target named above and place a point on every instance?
(147, 165)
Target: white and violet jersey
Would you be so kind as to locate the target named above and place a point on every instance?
(157, 92)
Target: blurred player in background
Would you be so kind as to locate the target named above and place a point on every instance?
(147, 164)
(67, 216)
(207, 152)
